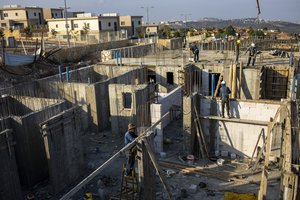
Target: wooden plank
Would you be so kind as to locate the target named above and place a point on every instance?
(264, 175)
(219, 83)
(234, 78)
(240, 82)
(157, 168)
(236, 120)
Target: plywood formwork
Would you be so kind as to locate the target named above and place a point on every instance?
(62, 135)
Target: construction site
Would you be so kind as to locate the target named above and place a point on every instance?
(62, 136)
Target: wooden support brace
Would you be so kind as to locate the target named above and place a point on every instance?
(157, 168)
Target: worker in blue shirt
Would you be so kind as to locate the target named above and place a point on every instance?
(195, 51)
(129, 137)
(224, 94)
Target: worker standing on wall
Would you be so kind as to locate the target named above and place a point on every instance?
(129, 137)
(224, 94)
(252, 54)
(195, 51)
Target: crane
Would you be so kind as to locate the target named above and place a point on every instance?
(258, 9)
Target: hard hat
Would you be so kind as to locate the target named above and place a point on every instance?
(131, 127)
(252, 45)
(88, 195)
(223, 82)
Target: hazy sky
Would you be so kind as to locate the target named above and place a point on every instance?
(287, 10)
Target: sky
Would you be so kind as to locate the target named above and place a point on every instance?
(165, 10)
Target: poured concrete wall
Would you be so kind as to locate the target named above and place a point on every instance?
(161, 77)
(138, 113)
(128, 52)
(164, 105)
(239, 138)
(9, 179)
(31, 156)
(171, 44)
(75, 54)
(62, 135)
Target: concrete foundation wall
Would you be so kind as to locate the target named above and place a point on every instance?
(75, 54)
(31, 156)
(161, 78)
(171, 44)
(159, 109)
(128, 52)
(239, 138)
(9, 179)
(138, 113)
(62, 135)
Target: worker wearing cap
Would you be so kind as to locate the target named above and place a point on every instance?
(252, 54)
(224, 94)
(129, 137)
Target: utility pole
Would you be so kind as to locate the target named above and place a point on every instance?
(67, 26)
(147, 10)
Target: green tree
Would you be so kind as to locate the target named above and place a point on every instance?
(53, 32)
(1, 33)
(165, 32)
(221, 32)
(230, 30)
(28, 32)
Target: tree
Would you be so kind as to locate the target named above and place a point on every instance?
(86, 30)
(165, 32)
(1, 33)
(28, 32)
(230, 30)
(53, 32)
(220, 33)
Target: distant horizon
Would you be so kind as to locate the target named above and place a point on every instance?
(158, 10)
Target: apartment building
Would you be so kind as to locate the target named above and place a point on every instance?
(18, 17)
(132, 24)
(52, 13)
(95, 24)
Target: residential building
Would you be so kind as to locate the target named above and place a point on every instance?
(52, 13)
(94, 24)
(73, 14)
(18, 17)
(132, 24)
(150, 29)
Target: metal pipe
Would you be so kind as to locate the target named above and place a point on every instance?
(60, 73)
(213, 84)
(67, 74)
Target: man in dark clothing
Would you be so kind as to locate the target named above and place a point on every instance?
(224, 94)
(195, 51)
(252, 54)
(129, 137)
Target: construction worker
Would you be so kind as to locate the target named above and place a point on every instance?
(252, 54)
(195, 51)
(129, 137)
(224, 94)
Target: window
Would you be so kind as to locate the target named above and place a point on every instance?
(109, 24)
(52, 15)
(5, 14)
(16, 14)
(56, 25)
(170, 78)
(55, 14)
(34, 14)
(122, 23)
(100, 25)
(75, 25)
(127, 99)
(3, 25)
(139, 22)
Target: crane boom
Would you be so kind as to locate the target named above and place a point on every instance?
(258, 7)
